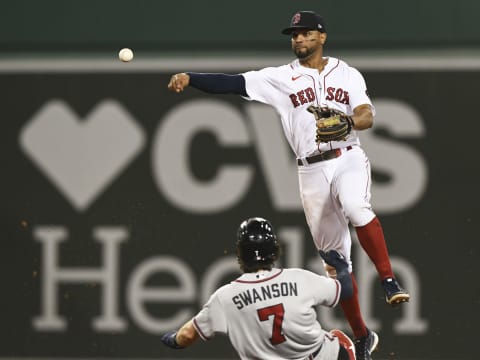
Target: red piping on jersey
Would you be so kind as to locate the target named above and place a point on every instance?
(259, 281)
(369, 178)
(199, 331)
(315, 86)
(313, 80)
(337, 296)
(298, 77)
(325, 85)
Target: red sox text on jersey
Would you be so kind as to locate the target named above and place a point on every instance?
(307, 95)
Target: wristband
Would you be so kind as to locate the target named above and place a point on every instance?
(169, 339)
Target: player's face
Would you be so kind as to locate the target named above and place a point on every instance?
(306, 42)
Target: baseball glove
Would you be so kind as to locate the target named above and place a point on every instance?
(332, 125)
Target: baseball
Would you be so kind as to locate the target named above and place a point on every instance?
(125, 55)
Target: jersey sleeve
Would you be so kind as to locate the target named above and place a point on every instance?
(261, 85)
(358, 92)
(211, 318)
(325, 291)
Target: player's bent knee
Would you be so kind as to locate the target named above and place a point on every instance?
(359, 215)
(347, 348)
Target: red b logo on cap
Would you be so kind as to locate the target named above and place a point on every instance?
(296, 19)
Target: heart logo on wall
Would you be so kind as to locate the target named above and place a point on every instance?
(82, 156)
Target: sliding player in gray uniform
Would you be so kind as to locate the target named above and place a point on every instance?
(270, 313)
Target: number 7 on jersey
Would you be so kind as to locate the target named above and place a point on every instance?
(277, 311)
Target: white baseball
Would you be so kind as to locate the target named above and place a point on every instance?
(125, 55)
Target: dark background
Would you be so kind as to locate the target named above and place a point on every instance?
(216, 25)
(67, 51)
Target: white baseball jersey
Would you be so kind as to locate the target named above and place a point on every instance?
(291, 88)
(272, 315)
(336, 191)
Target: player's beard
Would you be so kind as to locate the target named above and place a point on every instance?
(303, 53)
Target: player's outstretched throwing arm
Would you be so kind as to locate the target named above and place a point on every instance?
(213, 83)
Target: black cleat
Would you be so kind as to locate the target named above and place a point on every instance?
(364, 346)
(394, 294)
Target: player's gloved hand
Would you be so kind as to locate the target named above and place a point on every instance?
(338, 261)
(331, 124)
(169, 339)
(335, 259)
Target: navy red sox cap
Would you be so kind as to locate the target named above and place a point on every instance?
(305, 20)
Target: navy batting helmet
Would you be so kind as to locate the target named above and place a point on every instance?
(257, 245)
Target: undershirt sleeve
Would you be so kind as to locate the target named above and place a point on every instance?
(218, 83)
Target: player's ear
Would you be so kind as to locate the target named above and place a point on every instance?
(323, 38)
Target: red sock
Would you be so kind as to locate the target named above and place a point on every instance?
(351, 309)
(373, 242)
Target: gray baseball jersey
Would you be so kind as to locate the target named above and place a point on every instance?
(272, 314)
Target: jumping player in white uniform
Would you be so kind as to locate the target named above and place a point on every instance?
(334, 177)
(270, 313)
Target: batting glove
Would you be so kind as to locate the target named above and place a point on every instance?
(169, 339)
